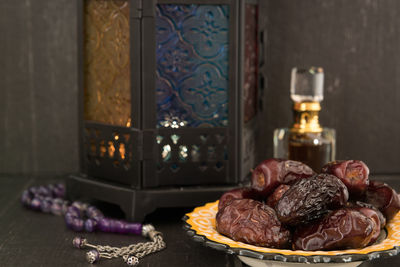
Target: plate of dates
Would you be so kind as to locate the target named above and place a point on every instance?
(291, 215)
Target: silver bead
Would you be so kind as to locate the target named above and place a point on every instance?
(92, 256)
(146, 229)
(132, 261)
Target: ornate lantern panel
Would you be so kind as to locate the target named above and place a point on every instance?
(169, 93)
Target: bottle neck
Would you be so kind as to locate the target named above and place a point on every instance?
(306, 117)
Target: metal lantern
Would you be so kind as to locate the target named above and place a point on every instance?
(169, 95)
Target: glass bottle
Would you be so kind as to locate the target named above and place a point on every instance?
(306, 140)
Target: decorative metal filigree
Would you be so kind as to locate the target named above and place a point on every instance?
(107, 61)
(192, 64)
(102, 147)
(183, 152)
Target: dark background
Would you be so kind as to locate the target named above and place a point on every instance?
(357, 42)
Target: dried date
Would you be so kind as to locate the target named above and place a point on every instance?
(353, 173)
(340, 229)
(270, 173)
(237, 193)
(277, 194)
(360, 204)
(383, 197)
(372, 214)
(309, 199)
(252, 222)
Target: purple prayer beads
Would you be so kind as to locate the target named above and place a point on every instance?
(90, 225)
(83, 217)
(48, 199)
(78, 216)
(118, 226)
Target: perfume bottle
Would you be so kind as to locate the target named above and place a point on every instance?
(306, 141)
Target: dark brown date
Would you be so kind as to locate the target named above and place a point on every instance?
(309, 199)
(252, 222)
(340, 229)
(270, 173)
(372, 214)
(277, 194)
(237, 193)
(360, 204)
(353, 173)
(383, 197)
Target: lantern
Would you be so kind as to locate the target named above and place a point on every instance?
(169, 95)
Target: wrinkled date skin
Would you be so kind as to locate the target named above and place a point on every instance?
(372, 214)
(237, 193)
(340, 229)
(383, 197)
(270, 173)
(353, 173)
(359, 204)
(277, 194)
(252, 222)
(309, 199)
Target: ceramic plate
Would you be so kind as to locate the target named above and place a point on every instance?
(200, 224)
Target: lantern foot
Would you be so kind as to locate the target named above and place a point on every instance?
(137, 203)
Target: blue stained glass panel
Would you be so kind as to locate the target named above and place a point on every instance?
(192, 65)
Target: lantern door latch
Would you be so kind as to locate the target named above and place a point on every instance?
(137, 9)
(143, 8)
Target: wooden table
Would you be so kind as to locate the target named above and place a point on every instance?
(29, 238)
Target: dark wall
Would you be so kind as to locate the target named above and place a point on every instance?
(356, 42)
(38, 86)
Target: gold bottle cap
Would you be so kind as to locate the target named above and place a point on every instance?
(307, 106)
(306, 117)
(306, 90)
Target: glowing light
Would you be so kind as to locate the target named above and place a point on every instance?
(166, 153)
(111, 149)
(122, 150)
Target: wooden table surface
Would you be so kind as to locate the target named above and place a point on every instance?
(29, 238)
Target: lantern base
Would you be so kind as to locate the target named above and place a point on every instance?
(137, 203)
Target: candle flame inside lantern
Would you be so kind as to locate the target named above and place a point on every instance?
(111, 149)
(122, 150)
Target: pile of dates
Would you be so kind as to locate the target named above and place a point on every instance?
(288, 205)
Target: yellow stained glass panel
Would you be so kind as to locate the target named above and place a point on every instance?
(107, 95)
